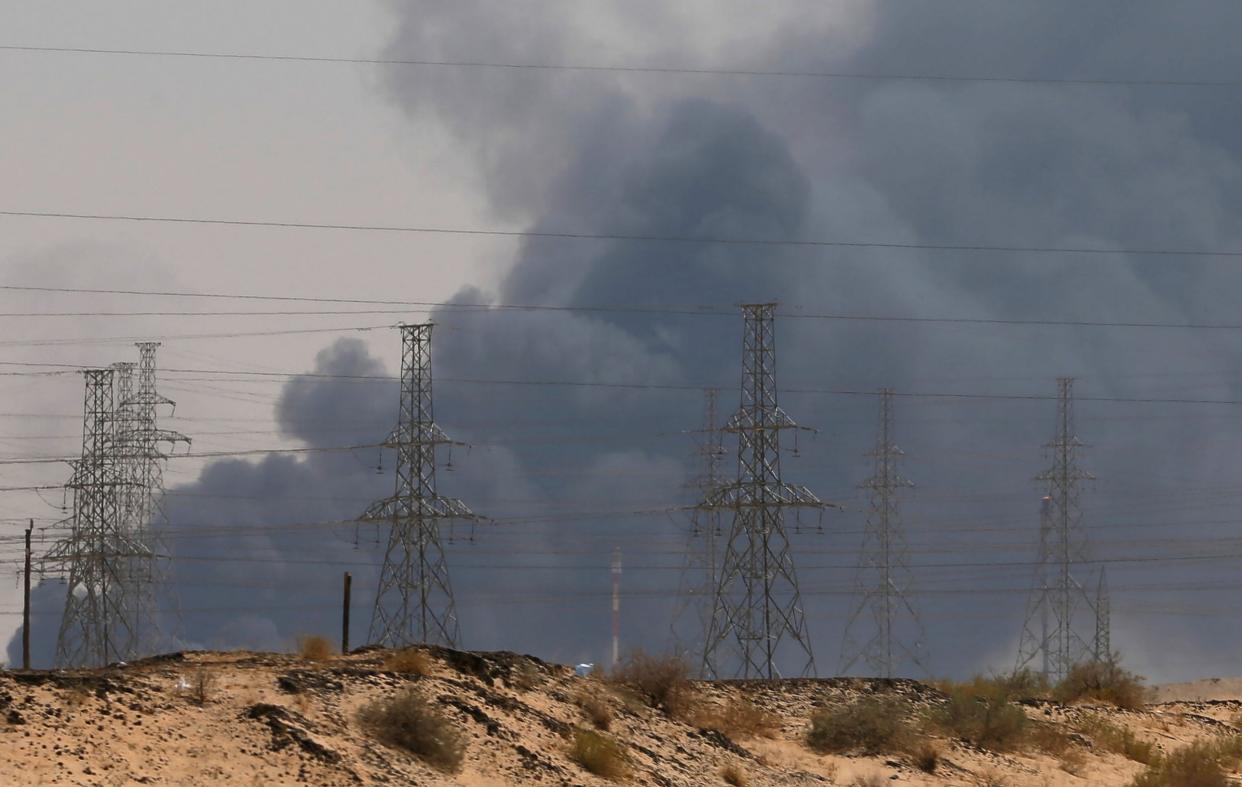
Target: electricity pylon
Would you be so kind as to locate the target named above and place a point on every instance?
(699, 572)
(1103, 650)
(873, 632)
(97, 626)
(141, 443)
(414, 603)
(757, 608)
(1050, 633)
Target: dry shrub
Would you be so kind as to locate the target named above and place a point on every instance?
(662, 682)
(1049, 739)
(408, 721)
(735, 776)
(1118, 739)
(599, 755)
(1103, 681)
(872, 725)
(598, 712)
(410, 661)
(990, 778)
(525, 676)
(1073, 762)
(77, 696)
(988, 720)
(202, 685)
(1201, 764)
(926, 756)
(740, 718)
(315, 648)
(869, 780)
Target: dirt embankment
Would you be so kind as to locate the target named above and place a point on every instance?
(266, 719)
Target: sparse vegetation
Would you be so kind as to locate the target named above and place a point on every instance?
(410, 661)
(739, 718)
(1103, 681)
(315, 648)
(991, 778)
(1018, 686)
(663, 683)
(873, 725)
(1073, 762)
(525, 676)
(408, 721)
(988, 719)
(202, 685)
(1118, 739)
(868, 780)
(926, 756)
(1201, 764)
(735, 776)
(599, 755)
(597, 711)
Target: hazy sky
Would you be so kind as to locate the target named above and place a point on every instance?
(923, 162)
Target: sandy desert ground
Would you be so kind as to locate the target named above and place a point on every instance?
(272, 719)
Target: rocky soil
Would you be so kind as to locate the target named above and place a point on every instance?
(270, 719)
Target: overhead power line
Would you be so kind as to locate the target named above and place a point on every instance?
(696, 310)
(605, 236)
(632, 69)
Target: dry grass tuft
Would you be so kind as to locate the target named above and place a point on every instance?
(735, 776)
(872, 725)
(988, 719)
(598, 712)
(599, 755)
(1118, 739)
(202, 686)
(740, 718)
(662, 682)
(408, 721)
(1103, 681)
(315, 648)
(1201, 764)
(991, 778)
(869, 780)
(410, 661)
(926, 756)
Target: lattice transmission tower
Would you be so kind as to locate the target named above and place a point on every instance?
(874, 632)
(1051, 633)
(702, 561)
(145, 447)
(97, 625)
(414, 603)
(757, 616)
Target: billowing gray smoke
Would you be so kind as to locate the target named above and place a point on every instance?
(562, 468)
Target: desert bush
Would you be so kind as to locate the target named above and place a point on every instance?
(868, 780)
(740, 718)
(525, 676)
(1102, 681)
(1049, 738)
(598, 712)
(926, 756)
(408, 721)
(315, 648)
(410, 661)
(989, 720)
(990, 778)
(872, 725)
(1073, 762)
(599, 754)
(735, 776)
(1118, 739)
(202, 686)
(1018, 686)
(662, 682)
(1201, 764)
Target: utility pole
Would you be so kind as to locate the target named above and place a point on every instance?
(1103, 620)
(1058, 594)
(699, 572)
(414, 603)
(883, 580)
(757, 609)
(616, 607)
(26, 604)
(349, 581)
